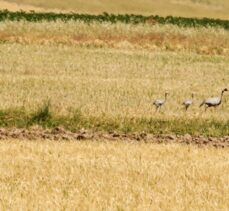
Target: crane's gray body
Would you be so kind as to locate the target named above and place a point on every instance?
(213, 101)
(160, 102)
(188, 103)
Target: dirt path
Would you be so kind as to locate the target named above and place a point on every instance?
(59, 133)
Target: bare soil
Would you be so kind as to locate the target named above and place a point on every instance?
(59, 133)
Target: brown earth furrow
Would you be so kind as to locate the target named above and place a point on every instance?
(59, 133)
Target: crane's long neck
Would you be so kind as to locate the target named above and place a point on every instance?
(221, 96)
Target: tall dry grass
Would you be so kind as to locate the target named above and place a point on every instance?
(210, 41)
(99, 175)
(112, 82)
(106, 76)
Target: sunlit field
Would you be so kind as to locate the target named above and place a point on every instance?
(78, 127)
(102, 72)
(103, 175)
(149, 36)
(112, 71)
(187, 8)
(109, 81)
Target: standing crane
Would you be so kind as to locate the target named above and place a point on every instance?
(188, 103)
(160, 102)
(213, 101)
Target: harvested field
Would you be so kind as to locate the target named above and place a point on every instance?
(207, 41)
(102, 175)
(78, 129)
(109, 81)
(109, 75)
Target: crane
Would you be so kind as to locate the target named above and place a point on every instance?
(160, 102)
(188, 103)
(213, 101)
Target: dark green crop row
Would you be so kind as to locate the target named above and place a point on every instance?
(105, 17)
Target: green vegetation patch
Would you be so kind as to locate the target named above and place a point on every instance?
(76, 120)
(105, 17)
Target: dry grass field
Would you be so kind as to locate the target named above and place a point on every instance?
(99, 175)
(122, 36)
(103, 78)
(187, 8)
(112, 70)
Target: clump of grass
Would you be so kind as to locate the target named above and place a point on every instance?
(13, 118)
(43, 114)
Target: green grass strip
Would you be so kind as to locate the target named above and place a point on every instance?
(76, 120)
(105, 17)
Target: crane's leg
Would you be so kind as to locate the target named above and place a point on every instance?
(159, 108)
(186, 108)
(206, 107)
